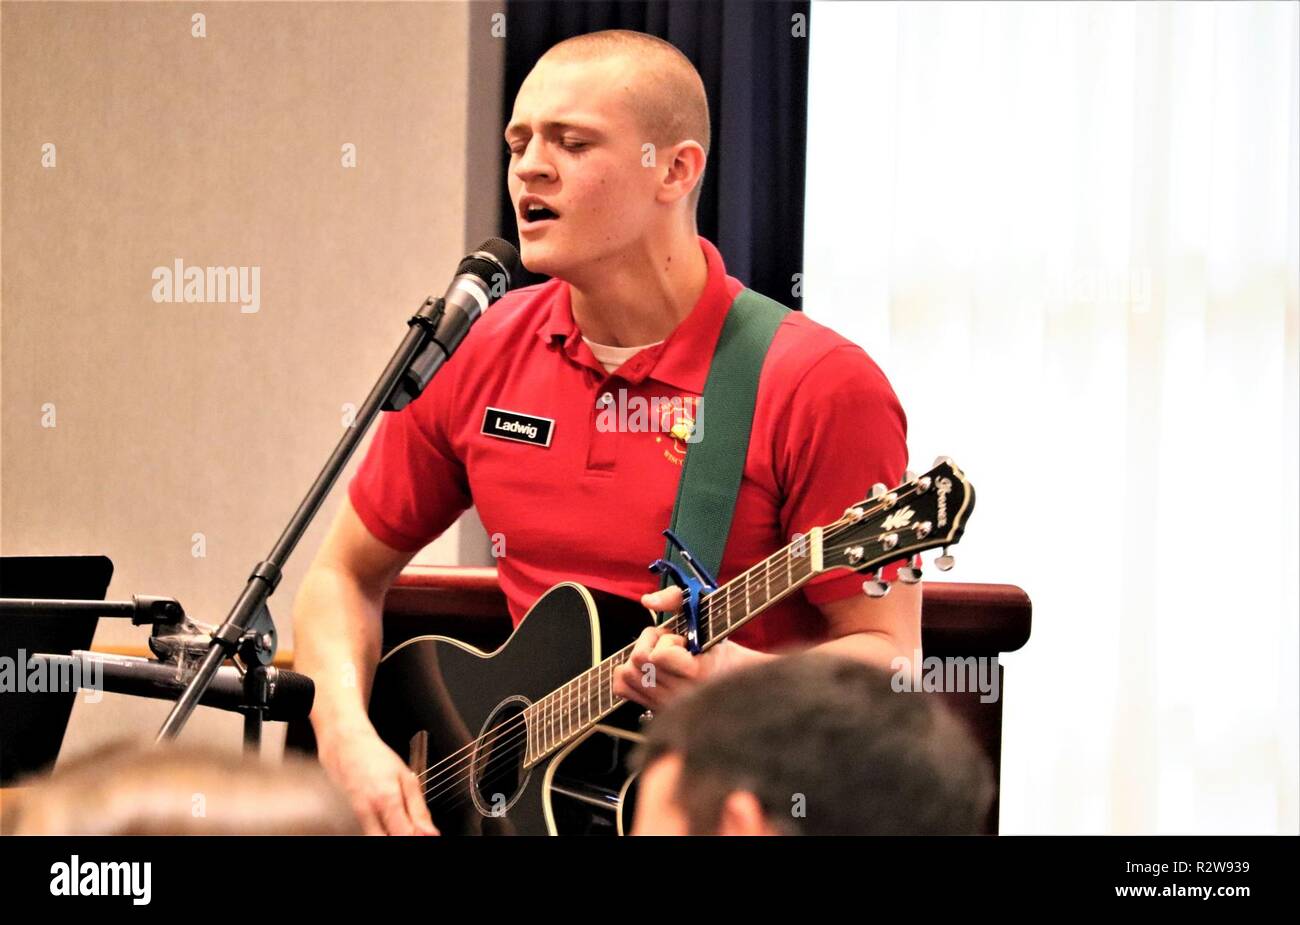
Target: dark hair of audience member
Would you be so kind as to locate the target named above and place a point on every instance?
(827, 747)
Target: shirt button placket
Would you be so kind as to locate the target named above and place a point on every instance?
(604, 441)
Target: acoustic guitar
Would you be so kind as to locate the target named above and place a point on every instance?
(530, 739)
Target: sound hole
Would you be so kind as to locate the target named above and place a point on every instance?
(499, 774)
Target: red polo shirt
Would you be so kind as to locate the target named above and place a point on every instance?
(590, 506)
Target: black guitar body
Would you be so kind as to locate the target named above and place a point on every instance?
(433, 696)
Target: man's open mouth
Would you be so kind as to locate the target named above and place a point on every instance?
(537, 212)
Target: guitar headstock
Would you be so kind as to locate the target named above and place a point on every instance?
(924, 512)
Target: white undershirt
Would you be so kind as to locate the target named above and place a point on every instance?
(613, 357)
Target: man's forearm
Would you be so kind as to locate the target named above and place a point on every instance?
(337, 636)
(875, 648)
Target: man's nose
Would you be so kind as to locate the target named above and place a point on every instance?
(533, 164)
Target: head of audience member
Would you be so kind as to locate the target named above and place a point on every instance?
(127, 789)
(810, 744)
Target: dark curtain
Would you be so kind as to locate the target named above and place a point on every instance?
(755, 72)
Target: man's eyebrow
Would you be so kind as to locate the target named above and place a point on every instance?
(515, 129)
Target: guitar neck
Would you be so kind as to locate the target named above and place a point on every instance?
(738, 601)
(891, 525)
(567, 713)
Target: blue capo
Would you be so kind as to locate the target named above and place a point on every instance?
(694, 586)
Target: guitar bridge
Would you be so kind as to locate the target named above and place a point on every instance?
(418, 751)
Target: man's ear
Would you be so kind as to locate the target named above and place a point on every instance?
(685, 162)
(743, 815)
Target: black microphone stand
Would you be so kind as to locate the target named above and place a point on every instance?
(173, 639)
(249, 632)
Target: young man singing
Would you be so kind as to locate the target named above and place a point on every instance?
(608, 142)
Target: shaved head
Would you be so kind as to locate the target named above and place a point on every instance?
(665, 93)
(608, 142)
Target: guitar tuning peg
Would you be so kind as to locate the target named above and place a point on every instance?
(940, 460)
(876, 587)
(878, 489)
(911, 574)
(909, 476)
(945, 562)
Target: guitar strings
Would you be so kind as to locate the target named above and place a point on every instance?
(517, 727)
(513, 725)
(437, 776)
(507, 739)
(505, 750)
(520, 721)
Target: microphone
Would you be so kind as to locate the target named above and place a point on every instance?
(289, 693)
(483, 276)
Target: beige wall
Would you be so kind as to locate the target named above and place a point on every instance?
(177, 419)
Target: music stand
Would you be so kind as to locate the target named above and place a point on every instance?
(32, 725)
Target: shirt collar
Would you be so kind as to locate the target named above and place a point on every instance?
(682, 360)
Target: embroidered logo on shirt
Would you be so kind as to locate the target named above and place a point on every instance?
(511, 425)
(679, 422)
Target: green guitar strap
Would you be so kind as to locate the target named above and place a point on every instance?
(711, 472)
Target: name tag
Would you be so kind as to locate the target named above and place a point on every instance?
(511, 425)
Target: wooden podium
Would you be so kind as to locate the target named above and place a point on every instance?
(957, 620)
